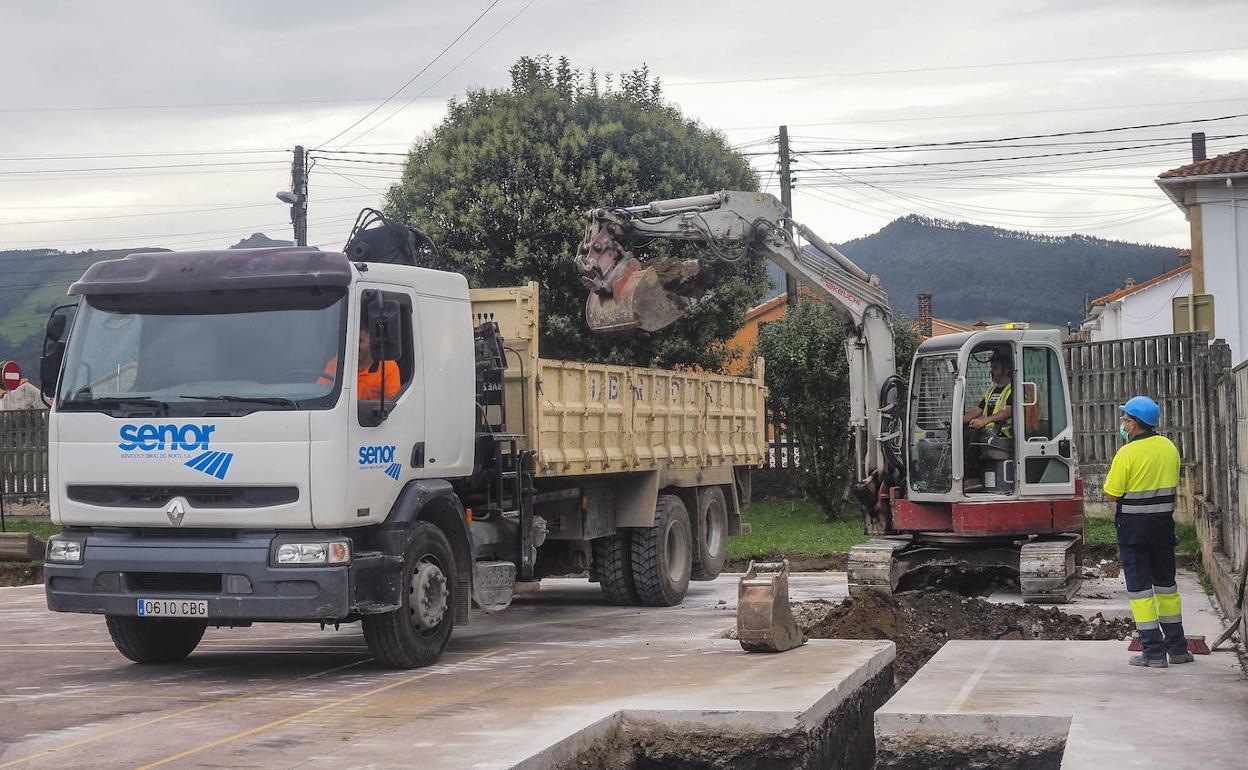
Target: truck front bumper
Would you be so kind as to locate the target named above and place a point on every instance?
(232, 571)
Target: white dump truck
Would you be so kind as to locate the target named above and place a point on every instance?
(296, 435)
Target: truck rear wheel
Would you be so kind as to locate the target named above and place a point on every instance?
(417, 632)
(155, 640)
(663, 555)
(710, 546)
(612, 566)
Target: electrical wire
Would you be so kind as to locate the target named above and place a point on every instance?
(413, 78)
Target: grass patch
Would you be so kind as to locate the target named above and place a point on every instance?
(794, 527)
(1100, 531)
(40, 528)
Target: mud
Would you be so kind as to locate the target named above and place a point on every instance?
(835, 562)
(920, 622)
(980, 757)
(20, 574)
(844, 741)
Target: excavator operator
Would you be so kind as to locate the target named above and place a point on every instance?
(994, 408)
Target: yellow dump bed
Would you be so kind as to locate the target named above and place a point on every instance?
(585, 418)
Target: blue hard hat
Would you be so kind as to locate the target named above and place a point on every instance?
(1143, 409)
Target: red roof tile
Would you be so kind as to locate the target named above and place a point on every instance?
(1120, 293)
(1230, 163)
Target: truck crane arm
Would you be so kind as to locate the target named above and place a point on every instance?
(626, 296)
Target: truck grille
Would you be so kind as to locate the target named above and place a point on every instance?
(132, 496)
(176, 582)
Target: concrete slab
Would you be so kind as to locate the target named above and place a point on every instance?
(1023, 699)
(534, 686)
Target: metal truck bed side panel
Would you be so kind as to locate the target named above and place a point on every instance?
(588, 418)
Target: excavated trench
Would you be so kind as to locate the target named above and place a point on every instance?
(919, 622)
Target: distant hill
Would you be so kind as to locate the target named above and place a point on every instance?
(260, 241)
(976, 272)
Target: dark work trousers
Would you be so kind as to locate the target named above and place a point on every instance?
(1146, 550)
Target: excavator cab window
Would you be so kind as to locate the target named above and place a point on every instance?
(988, 456)
(931, 424)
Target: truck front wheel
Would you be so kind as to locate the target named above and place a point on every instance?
(417, 632)
(155, 640)
(663, 555)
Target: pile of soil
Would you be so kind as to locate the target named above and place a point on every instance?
(920, 622)
(833, 562)
(20, 573)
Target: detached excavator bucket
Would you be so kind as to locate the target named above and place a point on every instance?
(764, 619)
(637, 301)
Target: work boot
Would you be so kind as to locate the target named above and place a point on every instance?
(1140, 660)
(1181, 657)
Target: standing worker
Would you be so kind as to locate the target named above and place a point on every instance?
(1144, 479)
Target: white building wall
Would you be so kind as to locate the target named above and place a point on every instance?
(1224, 225)
(1149, 311)
(1144, 313)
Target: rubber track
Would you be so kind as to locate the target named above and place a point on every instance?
(154, 640)
(647, 560)
(613, 568)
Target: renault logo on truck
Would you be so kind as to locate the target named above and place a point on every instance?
(175, 510)
(172, 441)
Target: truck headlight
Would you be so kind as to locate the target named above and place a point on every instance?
(330, 552)
(62, 550)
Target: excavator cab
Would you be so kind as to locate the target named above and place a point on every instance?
(951, 457)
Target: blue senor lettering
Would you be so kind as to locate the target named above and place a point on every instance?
(376, 455)
(148, 437)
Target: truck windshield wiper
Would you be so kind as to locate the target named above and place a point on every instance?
(113, 402)
(274, 400)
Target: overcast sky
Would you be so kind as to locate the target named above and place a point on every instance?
(194, 80)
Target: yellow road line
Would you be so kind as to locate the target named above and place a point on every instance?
(309, 712)
(184, 712)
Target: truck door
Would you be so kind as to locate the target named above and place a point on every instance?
(385, 450)
(1046, 435)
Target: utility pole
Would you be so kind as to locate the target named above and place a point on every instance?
(786, 198)
(299, 204)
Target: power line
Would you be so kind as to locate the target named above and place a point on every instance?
(949, 68)
(164, 213)
(428, 88)
(1011, 113)
(412, 79)
(1059, 134)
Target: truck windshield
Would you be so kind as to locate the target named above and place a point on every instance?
(196, 353)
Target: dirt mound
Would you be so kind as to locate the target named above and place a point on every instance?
(920, 622)
(833, 562)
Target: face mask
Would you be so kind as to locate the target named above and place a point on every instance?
(1122, 431)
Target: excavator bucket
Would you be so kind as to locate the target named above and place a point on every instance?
(764, 619)
(638, 301)
(625, 295)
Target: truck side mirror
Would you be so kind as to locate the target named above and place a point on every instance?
(53, 353)
(388, 330)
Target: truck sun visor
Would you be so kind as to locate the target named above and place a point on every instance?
(154, 272)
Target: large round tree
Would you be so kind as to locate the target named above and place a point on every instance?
(503, 182)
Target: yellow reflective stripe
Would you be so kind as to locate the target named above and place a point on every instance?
(1169, 605)
(1144, 610)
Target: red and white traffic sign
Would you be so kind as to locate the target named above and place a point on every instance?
(10, 375)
